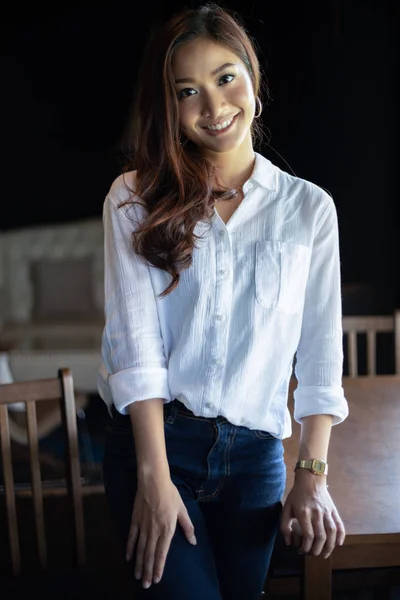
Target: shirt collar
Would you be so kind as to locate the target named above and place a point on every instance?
(265, 173)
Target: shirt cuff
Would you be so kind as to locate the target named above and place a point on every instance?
(139, 383)
(320, 400)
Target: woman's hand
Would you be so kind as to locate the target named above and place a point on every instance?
(311, 504)
(157, 508)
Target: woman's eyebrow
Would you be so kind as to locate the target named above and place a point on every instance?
(215, 72)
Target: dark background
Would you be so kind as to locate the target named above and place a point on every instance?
(68, 75)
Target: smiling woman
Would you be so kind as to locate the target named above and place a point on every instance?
(193, 130)
(217, 110)
(205, 310)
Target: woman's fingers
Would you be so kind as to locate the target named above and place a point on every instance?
(331, 536)
(320, 533)
(140, 552)
(149, 558)
(321, 528)
(187, 525)
(296, 534)
(164, 543)
(341, 532)
(307, 529)
(132, 539)
(151, 554)
(286, 523)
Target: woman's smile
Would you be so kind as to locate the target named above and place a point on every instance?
(222, 127)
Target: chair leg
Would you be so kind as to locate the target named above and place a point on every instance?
(316, 578)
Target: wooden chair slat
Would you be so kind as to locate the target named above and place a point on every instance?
(34, 391)
(9, 489)
(371, 352)
(353, 356)
(73, 471)
(397, 340)
(36, 482)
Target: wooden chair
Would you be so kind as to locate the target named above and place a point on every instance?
(48, 418)
(32, 393)
(370, 326)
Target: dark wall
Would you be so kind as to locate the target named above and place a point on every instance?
(69, 73)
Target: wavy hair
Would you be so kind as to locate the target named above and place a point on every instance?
(174, 182)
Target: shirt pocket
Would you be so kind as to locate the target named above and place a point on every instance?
(281, 273)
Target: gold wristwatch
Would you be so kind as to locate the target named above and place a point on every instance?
(318, 467)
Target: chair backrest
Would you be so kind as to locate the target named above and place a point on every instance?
(30, 392)
(370, 326)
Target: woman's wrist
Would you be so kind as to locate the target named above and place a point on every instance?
(306, 477)
(150, 473)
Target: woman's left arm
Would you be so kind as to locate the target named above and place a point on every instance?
(319, 400)
(309, 500)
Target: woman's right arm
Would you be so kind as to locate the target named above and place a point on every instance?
(158, 505)
(147, 420)
(133, 353)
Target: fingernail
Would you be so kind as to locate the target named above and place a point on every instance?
(156, 579)
(146, 584)
(287, 542)
(193, 540)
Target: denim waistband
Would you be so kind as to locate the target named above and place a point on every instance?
(178, 406)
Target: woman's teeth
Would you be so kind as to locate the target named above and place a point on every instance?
(223, 125)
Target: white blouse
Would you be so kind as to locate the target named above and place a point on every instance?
(261, 289)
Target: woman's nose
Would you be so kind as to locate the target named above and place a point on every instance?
(212, 105)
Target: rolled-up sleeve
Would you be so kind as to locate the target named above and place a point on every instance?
(319, 358)
(132, 346)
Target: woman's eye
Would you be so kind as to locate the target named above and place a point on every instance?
(186, 93)
(227, 78)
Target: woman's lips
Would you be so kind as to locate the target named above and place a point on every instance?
(215, 132)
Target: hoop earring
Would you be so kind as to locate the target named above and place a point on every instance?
(260, 108)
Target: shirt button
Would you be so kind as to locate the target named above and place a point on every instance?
(220, 317)
(221, 233)
(208, 405)
(217, 361)
(222, 271)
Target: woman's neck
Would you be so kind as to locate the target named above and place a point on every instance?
(234, 168)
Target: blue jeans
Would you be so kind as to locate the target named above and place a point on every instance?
(231, 480)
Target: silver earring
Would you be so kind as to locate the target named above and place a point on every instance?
(260, 108)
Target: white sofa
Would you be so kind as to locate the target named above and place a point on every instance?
(51, 300)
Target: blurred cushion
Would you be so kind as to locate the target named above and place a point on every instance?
(62, 289)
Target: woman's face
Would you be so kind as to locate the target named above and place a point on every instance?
(215, 95)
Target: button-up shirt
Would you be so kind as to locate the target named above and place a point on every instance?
(261, 298)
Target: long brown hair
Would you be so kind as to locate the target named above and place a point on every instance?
(174, 181)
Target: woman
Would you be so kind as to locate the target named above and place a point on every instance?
(220, 268)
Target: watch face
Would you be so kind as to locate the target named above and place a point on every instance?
(318, 466)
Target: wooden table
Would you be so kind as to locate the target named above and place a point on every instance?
(364, 481)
